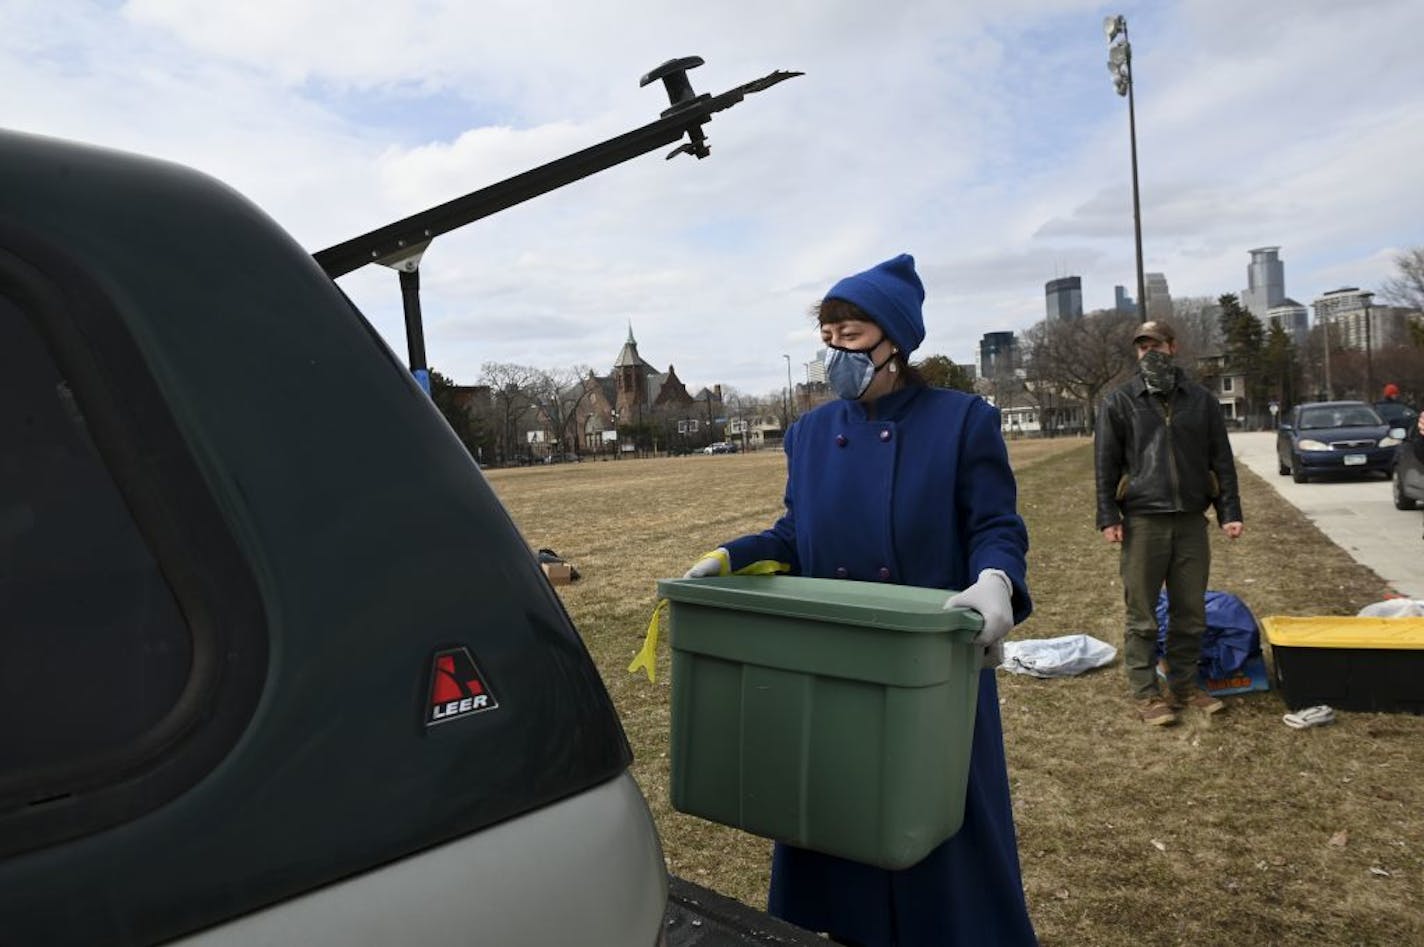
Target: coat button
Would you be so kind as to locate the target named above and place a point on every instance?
(841, 440)
(885, 434)
(841, 572)
(884, 573)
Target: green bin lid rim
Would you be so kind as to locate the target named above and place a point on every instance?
(841, 601)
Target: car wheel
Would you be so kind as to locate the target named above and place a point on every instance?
(1401, 502)
(1297, 472)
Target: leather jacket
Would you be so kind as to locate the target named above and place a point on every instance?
(1163, 455)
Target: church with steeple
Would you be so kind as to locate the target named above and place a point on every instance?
(632, 393)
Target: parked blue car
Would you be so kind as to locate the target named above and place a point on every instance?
(1335, 437)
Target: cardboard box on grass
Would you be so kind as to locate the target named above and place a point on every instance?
(559, 573)
(1251, 676)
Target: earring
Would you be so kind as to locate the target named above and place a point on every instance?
(893, 368)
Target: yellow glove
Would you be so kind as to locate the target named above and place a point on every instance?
(716, 562)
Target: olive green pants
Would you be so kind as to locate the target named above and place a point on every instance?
(1170, 549)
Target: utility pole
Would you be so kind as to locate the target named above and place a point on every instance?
(1120, 65)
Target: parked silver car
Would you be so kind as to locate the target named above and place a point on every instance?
(1409, 471)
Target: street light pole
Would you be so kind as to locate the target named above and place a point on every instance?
(1369, 352)
(789, 390)
(1322, 322)
(1120, 65)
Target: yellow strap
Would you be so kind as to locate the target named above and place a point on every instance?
(647, 655)
(760, 567)
(764, 567)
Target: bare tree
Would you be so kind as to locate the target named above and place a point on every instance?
(780, 398)
(1057, 411)
(1082, 357)
(1406, 289)
(558, 394)
(741, 411)
(510, 391)
(1404, 366)
(1197, 322)
(1039, 384)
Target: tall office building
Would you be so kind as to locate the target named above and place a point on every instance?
(998, 354)
(1123, 302)
(1064, 298)
(1329, 305)
(1266, 282)
(1344, 309)
(1293, 317)
(1159, 299)
(816, 369)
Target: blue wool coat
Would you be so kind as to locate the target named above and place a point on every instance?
(920, 495)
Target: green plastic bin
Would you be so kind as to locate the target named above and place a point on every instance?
(833, 715)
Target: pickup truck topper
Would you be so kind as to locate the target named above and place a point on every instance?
(278, 665)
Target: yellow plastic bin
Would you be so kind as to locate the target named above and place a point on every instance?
(837, 716)
(1348, 662)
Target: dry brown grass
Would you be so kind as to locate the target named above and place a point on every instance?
(1214, 832)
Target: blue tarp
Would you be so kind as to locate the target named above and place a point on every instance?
(1232, 635)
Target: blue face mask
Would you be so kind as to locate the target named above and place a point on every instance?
(849, 372)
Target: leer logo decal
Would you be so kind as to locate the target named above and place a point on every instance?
(456, 688)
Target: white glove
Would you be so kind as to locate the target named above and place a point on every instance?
(716, 562)
(992, 597)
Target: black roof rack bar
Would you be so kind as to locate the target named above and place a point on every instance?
(686, 116)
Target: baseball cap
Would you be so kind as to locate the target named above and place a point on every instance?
(1156, 329)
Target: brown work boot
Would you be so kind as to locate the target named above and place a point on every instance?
(1198, 699)
(1156, 712)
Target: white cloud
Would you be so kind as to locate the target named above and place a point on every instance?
(986, 141)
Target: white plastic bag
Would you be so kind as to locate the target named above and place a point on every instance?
(1057, 657)
(1394, 608)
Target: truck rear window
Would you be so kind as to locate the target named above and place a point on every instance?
(95, 649)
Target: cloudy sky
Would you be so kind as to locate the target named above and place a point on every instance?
(984, 138)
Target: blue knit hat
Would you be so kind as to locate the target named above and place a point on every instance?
(890, 293)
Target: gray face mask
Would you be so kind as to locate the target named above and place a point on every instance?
(849, 372)
(1159, 371)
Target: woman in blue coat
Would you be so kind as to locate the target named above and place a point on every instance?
(898, 482)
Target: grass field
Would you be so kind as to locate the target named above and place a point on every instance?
(1233, 830)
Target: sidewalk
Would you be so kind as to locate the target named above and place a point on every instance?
(1358, 515)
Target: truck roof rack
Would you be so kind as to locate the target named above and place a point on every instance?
(400, 245)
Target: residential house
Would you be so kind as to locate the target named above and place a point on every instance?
(1227, 383)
